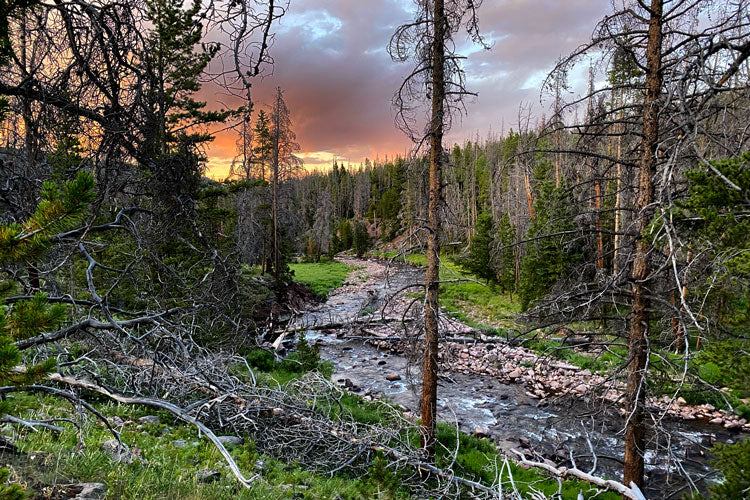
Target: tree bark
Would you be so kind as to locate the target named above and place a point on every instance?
(432, 277)
(639, 323)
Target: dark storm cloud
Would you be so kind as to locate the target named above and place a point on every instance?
(338, 78)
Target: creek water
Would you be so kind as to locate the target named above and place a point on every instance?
(561, 430)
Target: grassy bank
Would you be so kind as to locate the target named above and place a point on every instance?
(470, 301)
(321, 277)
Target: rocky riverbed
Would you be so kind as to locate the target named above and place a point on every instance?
(508, 393)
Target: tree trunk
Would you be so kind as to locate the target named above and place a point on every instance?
(275, 215)
(432, 277)
(639, 323)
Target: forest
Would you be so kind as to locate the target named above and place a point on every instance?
(558, 309)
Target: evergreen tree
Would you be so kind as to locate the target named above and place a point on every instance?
(478, 261)
(60, 209)
(262, 149)
(172, 63)
(547, 255)
(504, 257)
(347, 237)
(361, 238)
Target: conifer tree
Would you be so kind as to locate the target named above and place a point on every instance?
(504, 256)
(61, 208)
(547, 255)
(478, 261)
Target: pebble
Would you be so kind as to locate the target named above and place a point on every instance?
(393, 376)
(117, 452)
(207, 475)
(232, 440)
(91, 491)
(482, 431)
(149, 420)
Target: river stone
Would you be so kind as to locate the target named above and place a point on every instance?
(207, 475)
(716, 421)
(89, 491)
(116, 451)
(581, 388)
(392, 377)
(482, 431)
(149, 420)
(233, 440)
(515, 373)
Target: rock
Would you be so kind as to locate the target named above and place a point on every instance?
(233, 440)
(393, 376)
(482, 431)
(515, 373)
(117, 452)
(179, 443)
(207, 475)
(88, 491)
(277, 412)
(716, 421)
(581, 388)
(681, 401)
(381, 362)
(732, 425)
(116, 422)
(149, 420)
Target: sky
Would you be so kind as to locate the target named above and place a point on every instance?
(332, 63)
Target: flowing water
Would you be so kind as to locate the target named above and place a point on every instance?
(556, 430)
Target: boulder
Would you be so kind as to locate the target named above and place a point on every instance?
(232, 440)
(118, 452)
(207, 475)
(482, 431)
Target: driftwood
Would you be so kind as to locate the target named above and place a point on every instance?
(163, 405)
(632, 492)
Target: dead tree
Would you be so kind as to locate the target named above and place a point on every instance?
(428, 40)
(682, 81)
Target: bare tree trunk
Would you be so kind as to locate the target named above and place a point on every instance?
(639, 323)
(599, 236)
(275, 215)
(618, 194)
(432, 278)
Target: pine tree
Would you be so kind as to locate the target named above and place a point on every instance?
(478, 261)
(172, 63)
(361, 239)
(347, 237)
(504, 256)
(60, 209)
(547, 256)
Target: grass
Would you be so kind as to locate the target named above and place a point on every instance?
(166, 472)
(321, 277)
(476, 304)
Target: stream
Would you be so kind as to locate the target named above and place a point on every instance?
(556, 430)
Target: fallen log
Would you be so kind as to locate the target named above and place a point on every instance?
(163, 405)
(632, 492)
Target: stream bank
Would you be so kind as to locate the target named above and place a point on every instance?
(508, 393)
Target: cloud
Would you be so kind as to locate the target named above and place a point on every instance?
(338, 79)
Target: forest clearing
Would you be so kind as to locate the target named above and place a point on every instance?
(438, 249)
